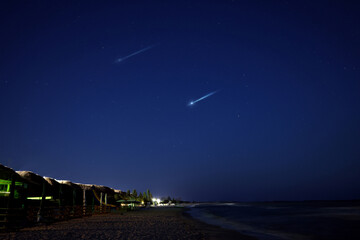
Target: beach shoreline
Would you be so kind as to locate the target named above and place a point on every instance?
(212, 231)
(150, 223)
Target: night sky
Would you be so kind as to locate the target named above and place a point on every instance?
(98, 92)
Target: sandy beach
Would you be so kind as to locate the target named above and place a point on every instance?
(153, 223)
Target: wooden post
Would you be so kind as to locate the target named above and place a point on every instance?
(101, 199)
(74, 198)
(84, 201)
(105, 202)
(42, 203)
(61, 210)
(73, 203)
(60, 196)
(9, 211)
(93, 203)
(12, 191)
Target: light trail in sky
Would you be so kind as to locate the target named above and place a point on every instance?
(202, 98)
(133, 54)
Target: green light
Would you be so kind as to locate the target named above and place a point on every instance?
(8, 182)
(39, 198)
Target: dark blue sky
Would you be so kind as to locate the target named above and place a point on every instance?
(284, 124)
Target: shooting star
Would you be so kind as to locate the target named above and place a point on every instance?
(191, 103)
(133, 54)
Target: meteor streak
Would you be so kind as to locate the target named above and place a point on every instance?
(133, 54)
(202, 98)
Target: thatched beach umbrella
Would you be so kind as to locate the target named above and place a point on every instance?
(103, 189)
(6, 173)
(118, 195)
(117, 191)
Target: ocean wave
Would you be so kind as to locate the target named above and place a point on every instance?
(205, 215)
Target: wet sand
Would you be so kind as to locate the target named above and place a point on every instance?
(152, 223)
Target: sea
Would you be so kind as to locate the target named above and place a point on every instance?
(313, 220)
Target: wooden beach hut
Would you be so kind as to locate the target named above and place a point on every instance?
(71, 198)
(88, 198)
(106, 193)
(38, 195)
(72, 193)
(38, 188)
(54, 191)
(66, 198)
(7, 177)
(99, 197)
(12, 198)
